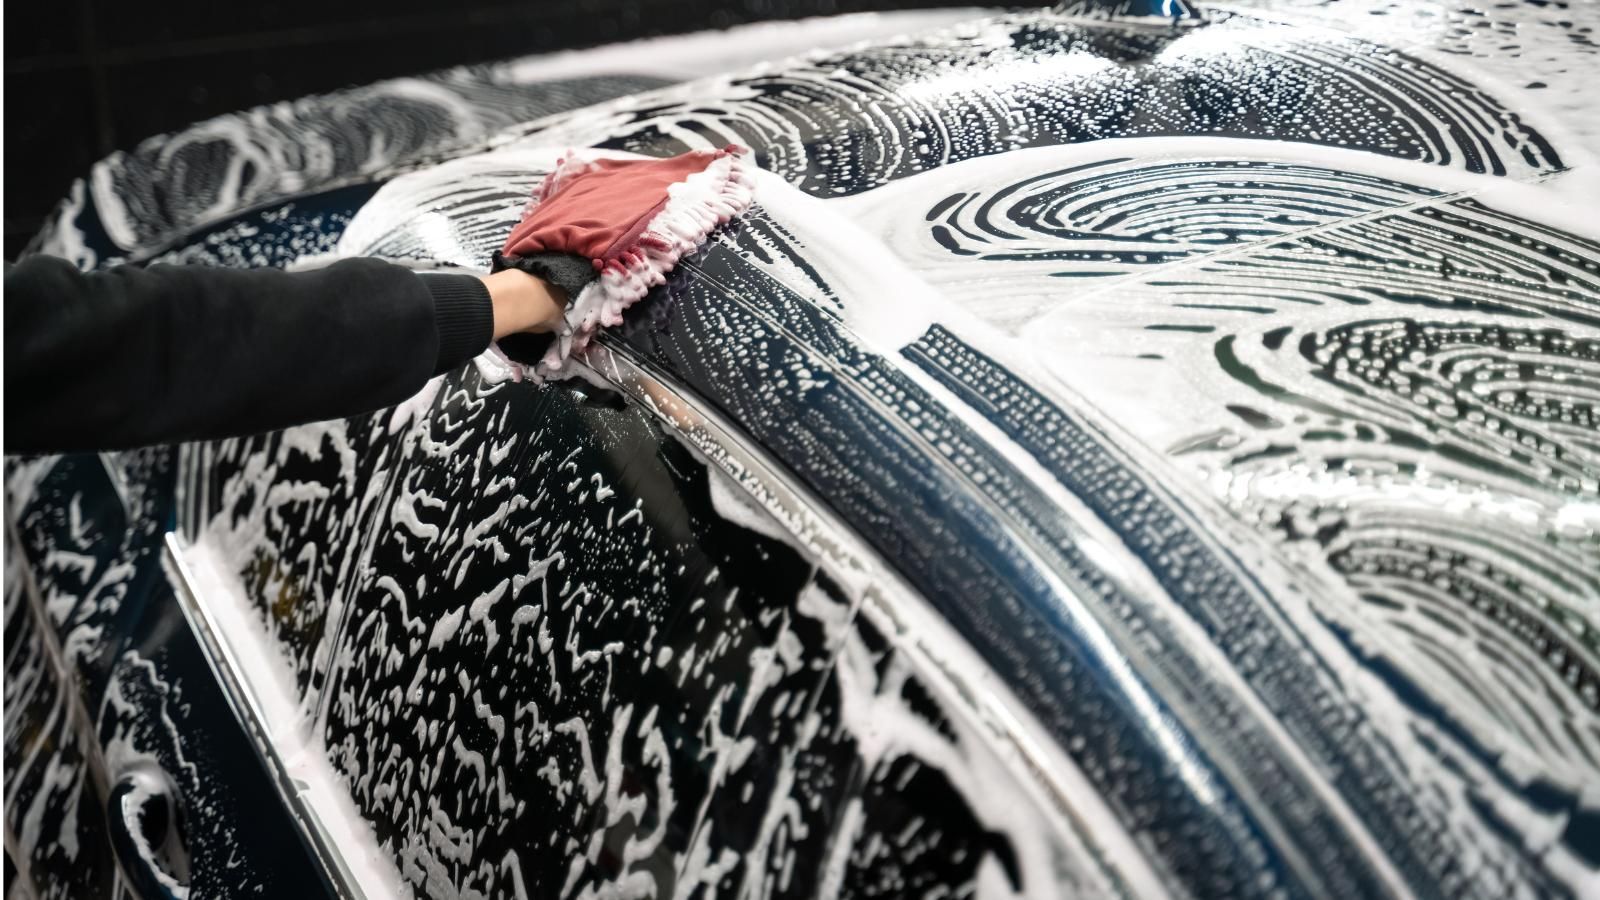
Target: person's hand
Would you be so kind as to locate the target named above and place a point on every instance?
(524, 302)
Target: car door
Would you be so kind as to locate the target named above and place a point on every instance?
(560, 640)
(126, 769)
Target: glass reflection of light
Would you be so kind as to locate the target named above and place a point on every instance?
(437, 235)
(1160, 724)
(1005, 77)
(1578, 518)
(1300, 484)
(1219, 41)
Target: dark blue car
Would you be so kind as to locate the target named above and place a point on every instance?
(1124, 452)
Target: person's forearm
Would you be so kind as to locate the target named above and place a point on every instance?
(139, 356)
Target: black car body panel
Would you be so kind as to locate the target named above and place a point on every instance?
(1110, 458)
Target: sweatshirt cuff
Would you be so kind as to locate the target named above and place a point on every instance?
(464, 315)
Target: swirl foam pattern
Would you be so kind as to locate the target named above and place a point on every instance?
(1136, 273)
(845, 123)
(1226, 393)
(137, 202)
(1115, 216)
(1393, 385)
(1545, 50)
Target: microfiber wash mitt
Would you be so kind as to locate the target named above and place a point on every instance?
(628, 221)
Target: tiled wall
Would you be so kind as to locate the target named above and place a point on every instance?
(86, 77)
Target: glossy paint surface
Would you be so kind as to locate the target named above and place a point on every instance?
(1242, 228)
(134, 204)
(547, 661)
(91, 709)
(1222, 392)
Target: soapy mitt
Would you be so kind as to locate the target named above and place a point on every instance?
(629, 220)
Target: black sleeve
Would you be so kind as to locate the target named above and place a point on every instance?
(135, 356)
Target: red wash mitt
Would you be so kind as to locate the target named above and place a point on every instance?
(632, 219)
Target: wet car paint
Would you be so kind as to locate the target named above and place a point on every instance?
(84, 711)
(135, 204)
(1309, 731)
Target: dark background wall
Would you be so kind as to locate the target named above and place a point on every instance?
(86, 77)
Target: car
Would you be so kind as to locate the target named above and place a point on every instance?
(1124, 451)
